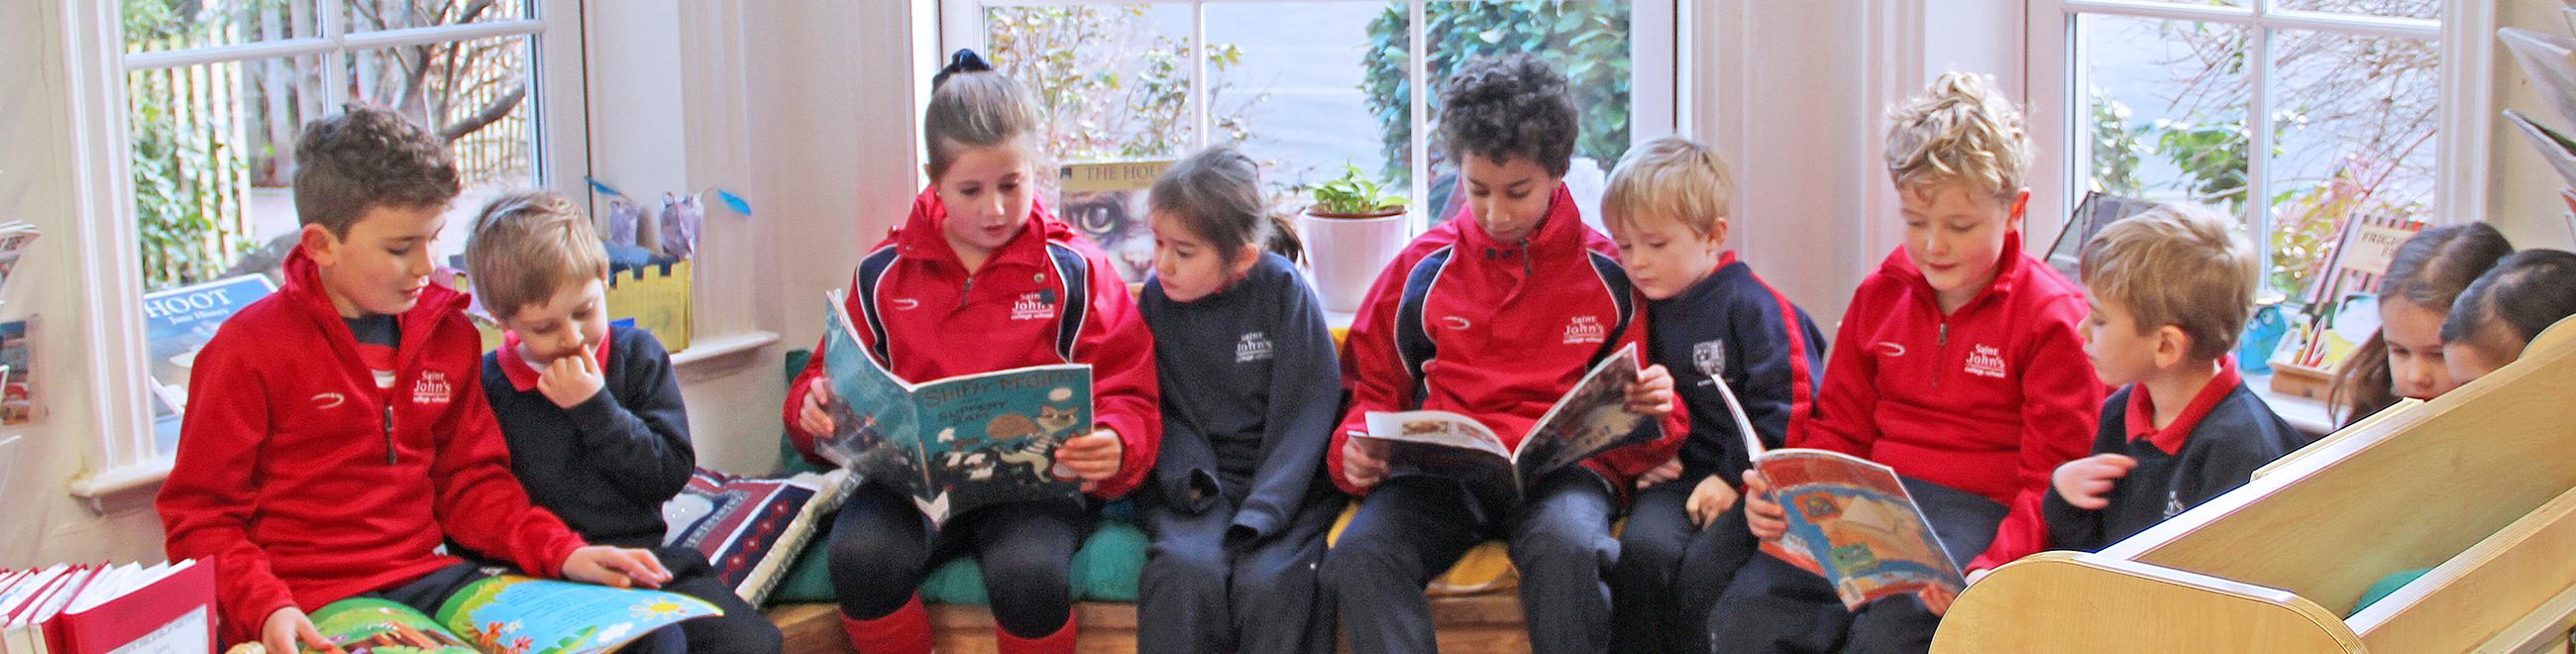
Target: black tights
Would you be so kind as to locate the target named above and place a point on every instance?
(882, 546)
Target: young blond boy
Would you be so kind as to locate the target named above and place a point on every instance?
(2170, 290)
(1708, 317)
(593, 415)
(1958, 364)
(333, 438)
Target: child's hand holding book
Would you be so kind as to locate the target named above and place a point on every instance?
(1092, 457)
(1364, 461)
(287, 627)
(1762, 512)
(618, 567)
(1652, 393)
(811, 417)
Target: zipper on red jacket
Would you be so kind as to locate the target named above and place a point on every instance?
(389, 433)
(1940, 352)
(966, 293)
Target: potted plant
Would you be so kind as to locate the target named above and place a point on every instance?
(1353, 228)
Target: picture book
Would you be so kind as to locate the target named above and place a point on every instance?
(1106, 202)
(1851, 521)
(1591, 419)
(507, 614)
(953, 444)
(14, 239)
(17, 398)
(177, 323)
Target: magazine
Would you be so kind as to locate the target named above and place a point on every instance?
(1851, 521)
(17, 398)
(176, 325)
(507, 613)
(953, 444)
(1591, 419)
(1106, 201)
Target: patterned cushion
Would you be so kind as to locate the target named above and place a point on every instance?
(751, 529)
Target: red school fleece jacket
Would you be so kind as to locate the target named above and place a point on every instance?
(942, 320)
(1986, 400)
(1513, 326)
(304, 484)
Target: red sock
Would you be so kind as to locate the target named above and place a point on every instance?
(905, 631)
(1060, 642)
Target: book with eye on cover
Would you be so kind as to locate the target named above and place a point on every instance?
(1591, 419)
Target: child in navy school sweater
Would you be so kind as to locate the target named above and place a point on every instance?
(1708, 317)
(1237, 505)
(2170, 289)
(593, 417)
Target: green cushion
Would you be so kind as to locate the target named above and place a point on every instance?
(1106, 569)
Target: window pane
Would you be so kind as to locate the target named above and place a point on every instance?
(475, 94)
(212, 149)
(2356, 140)
(2164, 109)
(370, 15)
(157, 25)
(1587, 40)
(1111, 81)
(2420, 9)
(210, 152)
(1292, 85)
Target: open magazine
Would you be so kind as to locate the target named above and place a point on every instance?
(1591, 419)
(953, 444)
(507, 614)
(1850, 520)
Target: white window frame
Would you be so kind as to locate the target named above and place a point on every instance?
(125, 457)
(2463, 33)
(1655, 64)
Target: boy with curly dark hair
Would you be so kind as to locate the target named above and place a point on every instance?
(1504, 307)
(337, 431)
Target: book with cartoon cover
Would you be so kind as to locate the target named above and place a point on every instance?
(1591, 419)
(507, 614)
(957, 443)
(1850, 519)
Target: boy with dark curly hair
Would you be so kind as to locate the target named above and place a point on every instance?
(337, 433)
(1504, 307)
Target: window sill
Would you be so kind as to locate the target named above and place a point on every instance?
(722, 346)
(121, 483)
(2304, 414)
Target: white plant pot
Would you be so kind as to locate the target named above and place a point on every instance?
(1345, 255)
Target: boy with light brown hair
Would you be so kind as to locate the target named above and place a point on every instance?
(2170, 290)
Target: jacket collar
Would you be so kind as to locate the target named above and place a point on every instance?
(2008, 269)
(920, 236)
(304, 288)
(2141, 420)
(1560, 235)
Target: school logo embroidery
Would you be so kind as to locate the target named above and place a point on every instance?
(1891, 349)
(1986, 361)
(329, 400)
(1454, 322)
(1710, 358)
(432, 388)
(906, 304)
(1252, 347)
(1033, 305)
(1585, 329)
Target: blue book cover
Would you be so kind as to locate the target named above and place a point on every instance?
(176, 324)
(957, 443)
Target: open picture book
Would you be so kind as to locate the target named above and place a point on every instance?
(507, 614)
(1850, 520)
(1591, 419)
(953, 444)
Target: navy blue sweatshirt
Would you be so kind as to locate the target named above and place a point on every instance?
(1732, 324)
(1251, 393)
(606, 465)
(2212, 447)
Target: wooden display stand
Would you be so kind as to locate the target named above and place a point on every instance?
(2476, 484)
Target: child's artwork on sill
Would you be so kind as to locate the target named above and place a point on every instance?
(1106, 203)
(176, 325)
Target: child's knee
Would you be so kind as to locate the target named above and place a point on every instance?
(1542, 549)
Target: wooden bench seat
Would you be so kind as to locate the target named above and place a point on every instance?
(1489, 622)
